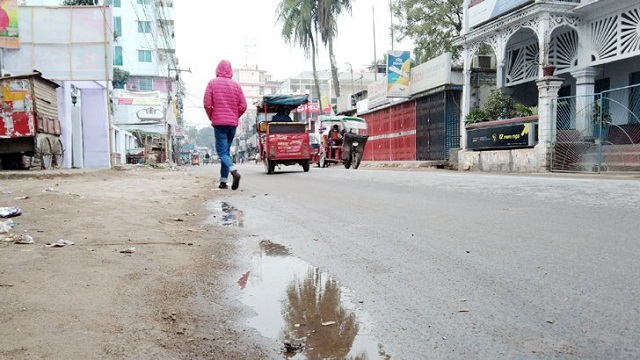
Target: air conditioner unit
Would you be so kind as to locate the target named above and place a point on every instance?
(483, 62)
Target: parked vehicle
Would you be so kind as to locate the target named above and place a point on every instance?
(348, 151)
(30, 127)
(282, 143)
(317, 148)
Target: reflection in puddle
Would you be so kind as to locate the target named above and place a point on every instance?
(305, 309)
(226, 214)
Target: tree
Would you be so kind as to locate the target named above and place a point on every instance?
(79, 2)
(297, 18)
(430, 24)
(120, 78)
(326, 23)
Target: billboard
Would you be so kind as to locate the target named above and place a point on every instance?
(398, 73)
(481, 11)
(64, 43)
(431, 74)
(9, 38)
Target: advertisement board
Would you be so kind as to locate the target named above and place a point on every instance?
(508, 136)
(481, 11)
(431, 74)
(9, 35)
(398, 73)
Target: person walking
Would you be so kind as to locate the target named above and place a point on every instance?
(225, 103)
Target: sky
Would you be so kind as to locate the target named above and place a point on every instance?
(245, 32)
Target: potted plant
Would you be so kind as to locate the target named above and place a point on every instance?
(475, 116)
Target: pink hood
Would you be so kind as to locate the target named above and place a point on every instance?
(224, 100)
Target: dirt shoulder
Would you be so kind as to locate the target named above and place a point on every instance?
(165, 300)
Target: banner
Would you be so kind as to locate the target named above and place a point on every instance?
(9, 38)
(481, 11)
(398, 73)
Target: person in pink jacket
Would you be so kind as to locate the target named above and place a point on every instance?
(225, 103)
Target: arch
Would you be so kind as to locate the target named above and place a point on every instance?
(563, 48)
(521, 57)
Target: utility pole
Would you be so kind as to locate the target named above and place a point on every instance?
(168, 108)
(375, 61)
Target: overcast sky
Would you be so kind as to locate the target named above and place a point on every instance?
(245, 32)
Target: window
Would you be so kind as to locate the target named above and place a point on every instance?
(144, 2)
(115, 3)
(145, 84)
(144, 27)
(144, 56)
(117, 56)
(117, 26)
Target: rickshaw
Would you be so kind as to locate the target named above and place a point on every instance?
(317, 148)
(282, 143)
(353, 134)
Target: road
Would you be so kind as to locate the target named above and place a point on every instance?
(464, 265)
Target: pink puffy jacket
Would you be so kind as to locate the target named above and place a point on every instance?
(224, 100)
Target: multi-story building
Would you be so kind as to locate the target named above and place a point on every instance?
(146, 94)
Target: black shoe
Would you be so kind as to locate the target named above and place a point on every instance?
(236, 179)
(223, 185)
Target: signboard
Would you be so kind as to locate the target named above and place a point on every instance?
(311, 107)
(481, 11)
(508, 136)
(9, 38)
(398, 73)
(432, 74)
(377, 91)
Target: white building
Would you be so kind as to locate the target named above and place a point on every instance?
(594, 47)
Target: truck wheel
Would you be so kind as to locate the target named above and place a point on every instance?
(58, 155)
(305, 166)
(270, 166)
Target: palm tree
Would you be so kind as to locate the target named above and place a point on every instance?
(326, 22)
(297, 18)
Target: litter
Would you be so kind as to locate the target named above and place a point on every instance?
(9, 211)
(60, 243)
(24, 239)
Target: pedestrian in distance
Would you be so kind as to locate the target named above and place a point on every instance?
(224, 103)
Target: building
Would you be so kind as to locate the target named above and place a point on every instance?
(588, 105)
(146, 92)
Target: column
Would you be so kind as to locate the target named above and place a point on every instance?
(466, 95)
(585, 79)
(548, 88)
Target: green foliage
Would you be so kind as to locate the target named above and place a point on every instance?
(476, 115)
(120, 78)
(431, 25)
(499, 106)
(206, 137)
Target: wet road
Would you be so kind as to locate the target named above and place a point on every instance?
(460, 265)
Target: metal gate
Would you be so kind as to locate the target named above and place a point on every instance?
(437, 124)
(599, 132)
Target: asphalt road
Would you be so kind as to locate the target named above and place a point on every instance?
(465, 265)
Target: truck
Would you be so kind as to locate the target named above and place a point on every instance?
(30, 126)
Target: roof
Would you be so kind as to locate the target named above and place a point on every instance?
(325, 118)
(289, 101)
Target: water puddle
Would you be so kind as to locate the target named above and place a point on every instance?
(305, 309)
(226, 214)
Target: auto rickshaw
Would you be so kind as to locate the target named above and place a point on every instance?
(195, 158)
(282, 142)
(346, 148)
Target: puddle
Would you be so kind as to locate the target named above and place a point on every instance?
(305, 309)
(226, 214)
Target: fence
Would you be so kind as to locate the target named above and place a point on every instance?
(598, 132)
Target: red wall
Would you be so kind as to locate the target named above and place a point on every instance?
(392, 133)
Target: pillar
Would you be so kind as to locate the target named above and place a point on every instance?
(585, 80)
(466, 95)
(548, 88)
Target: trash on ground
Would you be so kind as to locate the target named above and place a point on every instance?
(6, 226)
(189, 213)
(9, 211)
(21, 198)
(23, 239)
(60, 243)
(130, 250)
(328, 323)
(292, 348)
